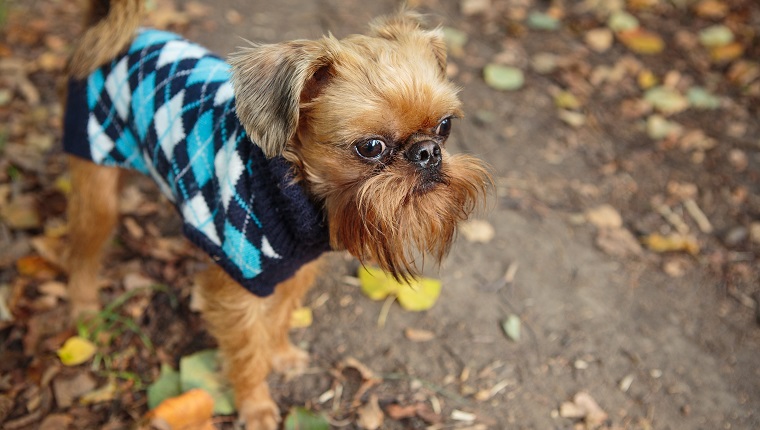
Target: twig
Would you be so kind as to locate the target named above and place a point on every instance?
(699, 217)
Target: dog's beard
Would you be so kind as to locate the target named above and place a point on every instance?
(391, 215)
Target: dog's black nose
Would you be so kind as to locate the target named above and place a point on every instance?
(425, 154)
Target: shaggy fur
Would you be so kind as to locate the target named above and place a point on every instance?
(315, 102)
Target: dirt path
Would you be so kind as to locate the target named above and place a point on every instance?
(664, 341)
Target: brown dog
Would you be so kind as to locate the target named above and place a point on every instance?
(359, 123)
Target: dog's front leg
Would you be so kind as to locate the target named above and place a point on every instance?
(93, 213)
(252, 333)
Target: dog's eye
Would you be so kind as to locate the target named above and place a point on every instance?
(444, 127)
(370, 149)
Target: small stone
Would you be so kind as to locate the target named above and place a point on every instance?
(754, 232)
(599, 39)
(735, 236)
(544, 63)
(738, 159)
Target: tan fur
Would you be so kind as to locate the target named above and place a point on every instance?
(312, 102)
(109, 32)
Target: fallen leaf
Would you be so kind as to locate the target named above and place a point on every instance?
(190, 411)
(716, 35)
(503, 77)
(301, 318)
(477, 230)
(418, 295)
(673, 242)
(584, 407)
(713, 9)
(726, 53)
(646, 79)
(572, 118)
(566, 100)
(105, 393)
(304, 419)
(416, 335)
(458, 415)
(604, 216)
(201, 370)
(599, 39)
(666, 100)
(542, 21)
(36, 267)
(166, 386)
(700, 98)
(618, 242)
(370, 416)
(472, 7)
(642, 41)
(56, 422)
(511, 327)
(455, 40)
(68, 389)
(76, 350)
(21, 213)
(620, 20)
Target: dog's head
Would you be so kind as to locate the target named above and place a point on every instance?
(364, 121)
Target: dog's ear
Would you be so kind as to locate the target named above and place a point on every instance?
(408, 25)
(270, 82)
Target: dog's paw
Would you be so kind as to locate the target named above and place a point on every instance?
(290, 360)
(259, 415)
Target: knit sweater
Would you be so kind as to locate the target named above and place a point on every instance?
(166, 108)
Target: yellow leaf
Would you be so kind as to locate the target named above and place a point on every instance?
(418, 295)
(642, 41)
(301, 318)
(726, 53)
(672, 243)
(76, 350)
(376, 284)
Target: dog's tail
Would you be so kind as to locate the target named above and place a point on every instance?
(110, 27)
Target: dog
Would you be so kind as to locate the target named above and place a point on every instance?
(284, 153)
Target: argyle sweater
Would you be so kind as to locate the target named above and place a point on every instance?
(165, 108)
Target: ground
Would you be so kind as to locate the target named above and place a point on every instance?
(584, 189)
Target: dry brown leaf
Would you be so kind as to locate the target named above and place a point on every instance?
(417, 335)
(726, 53)
(67, 389)
(36, 267)
(642, 41)
(189, 411)
(618, 242)
(583, 407)
(713, 9)
(604, 216)
(370, 417)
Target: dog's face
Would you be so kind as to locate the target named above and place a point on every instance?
(364, 121)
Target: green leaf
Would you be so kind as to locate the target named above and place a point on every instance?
(542, 21)
(700, 98)
(455, 39)
(716, 35)
(666, 100)
(201, 370)
(304, 419)
(622, 21)
(167, 385)
(503, 77)
(511, 327)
